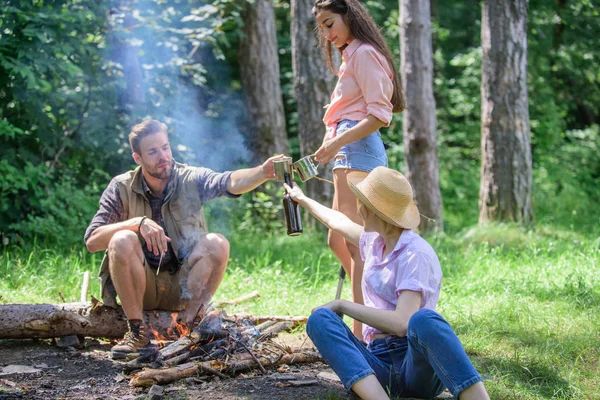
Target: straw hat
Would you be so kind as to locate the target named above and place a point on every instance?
(388, 194)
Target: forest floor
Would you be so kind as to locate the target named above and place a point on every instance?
(90, 373)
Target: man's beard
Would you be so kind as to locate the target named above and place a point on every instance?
(161, 174)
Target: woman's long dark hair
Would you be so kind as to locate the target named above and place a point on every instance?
(363, 28)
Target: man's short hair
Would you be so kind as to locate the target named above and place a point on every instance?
(144, 129)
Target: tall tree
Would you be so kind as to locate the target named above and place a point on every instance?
(419, 123)
(313, 85)
(506, 177)
(259, 68)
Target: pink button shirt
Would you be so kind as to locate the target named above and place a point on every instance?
(412, 265)
(364, 87)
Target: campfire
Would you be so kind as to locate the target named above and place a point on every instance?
(220, 345)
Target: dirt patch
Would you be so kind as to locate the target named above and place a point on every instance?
(89, 373)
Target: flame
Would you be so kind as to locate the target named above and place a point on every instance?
(177, 329)
(160, 340)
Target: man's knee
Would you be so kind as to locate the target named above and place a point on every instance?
(123, 244)
(213, 245)
(219, 247)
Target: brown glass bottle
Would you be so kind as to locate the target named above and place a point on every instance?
(291, 211)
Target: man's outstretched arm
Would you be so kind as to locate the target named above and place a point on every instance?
(245, 180)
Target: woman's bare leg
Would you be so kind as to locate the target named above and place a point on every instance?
(336, 242)
(369, 388)
(474, 392)
(346, 204)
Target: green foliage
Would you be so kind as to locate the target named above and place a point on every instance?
(253, 214)
(34, 274)
(69, 93)
(75, 75)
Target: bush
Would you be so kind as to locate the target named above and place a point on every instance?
(54, 208)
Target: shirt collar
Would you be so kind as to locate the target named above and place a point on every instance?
(350, 49)
(400, 244)
(147, 189)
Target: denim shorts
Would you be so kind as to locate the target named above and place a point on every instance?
(363, 154)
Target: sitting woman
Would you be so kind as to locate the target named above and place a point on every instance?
(411, 350)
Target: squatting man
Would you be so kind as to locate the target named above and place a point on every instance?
(159, 254)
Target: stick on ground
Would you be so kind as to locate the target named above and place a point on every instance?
(238, 300)
(85, 286)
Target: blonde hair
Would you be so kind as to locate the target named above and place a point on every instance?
(362, 210)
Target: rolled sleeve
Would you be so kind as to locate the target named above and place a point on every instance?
(109, 212)
(418, 276)
(375, 81)
(213, 184)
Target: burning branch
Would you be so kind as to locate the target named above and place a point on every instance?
(221, 346)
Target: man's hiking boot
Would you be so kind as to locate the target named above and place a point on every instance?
(135, 341)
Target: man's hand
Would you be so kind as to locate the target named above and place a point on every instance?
(245, 180)
(267, 168)
(155, 237)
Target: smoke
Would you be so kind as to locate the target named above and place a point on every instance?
(169, 71)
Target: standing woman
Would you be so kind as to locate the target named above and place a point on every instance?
(368, 91)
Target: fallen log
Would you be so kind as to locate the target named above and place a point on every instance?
(28, 321)
(93, 319)
(149, 377)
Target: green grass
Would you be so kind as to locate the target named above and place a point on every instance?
(525, 303)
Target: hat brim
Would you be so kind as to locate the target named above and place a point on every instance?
(409, 218)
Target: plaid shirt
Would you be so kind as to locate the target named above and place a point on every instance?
(210, 185)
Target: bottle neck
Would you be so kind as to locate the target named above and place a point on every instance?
(287, 178)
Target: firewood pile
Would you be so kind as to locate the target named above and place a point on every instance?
(220, 345)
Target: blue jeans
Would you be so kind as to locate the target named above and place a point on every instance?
(364, 154)
(429, 359)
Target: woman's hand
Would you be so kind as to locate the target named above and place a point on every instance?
(335, 306)
(327, 151)
(155, 237)
(295, 192)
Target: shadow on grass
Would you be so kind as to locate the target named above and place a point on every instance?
(540, 379)
(582, 292)
(576, 291)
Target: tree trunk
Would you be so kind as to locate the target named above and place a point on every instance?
(313, 84)
(506, 177)
(265, 131)
(419, 123)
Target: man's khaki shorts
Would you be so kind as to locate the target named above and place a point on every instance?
(163, 291)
